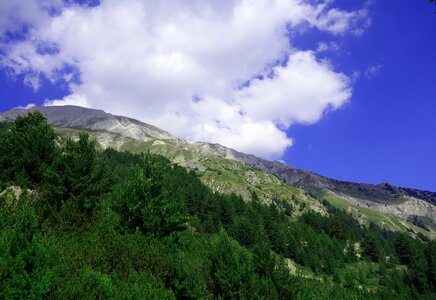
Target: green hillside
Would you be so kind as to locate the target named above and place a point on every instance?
(227, 175)
(220, 174)
(78, 222)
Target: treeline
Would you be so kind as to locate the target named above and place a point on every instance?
(108, 224)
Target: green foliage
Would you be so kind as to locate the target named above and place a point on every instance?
(404, 248)
(430, 253)
(91, 284)
(26, 149)
(371, 247)
(26, 267)
(150, 201)
(114, 225)
(192, 276)
(75, 181)
(233, 269)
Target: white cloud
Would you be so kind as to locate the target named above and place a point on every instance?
(73, 99)
(147, 59)
(337, 21)
(298, 93)
(221, 122)
(30, 105)
(16, 14)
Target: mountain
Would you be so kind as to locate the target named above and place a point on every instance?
(80, 222)
(93, 119)
(227, 170)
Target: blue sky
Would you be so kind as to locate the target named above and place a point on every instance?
(369, 102)
(387, 132)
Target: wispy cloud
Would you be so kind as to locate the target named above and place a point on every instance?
(330, 46)
(373, 70)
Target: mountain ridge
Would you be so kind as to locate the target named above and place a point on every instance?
(70, 116)
(384, 197)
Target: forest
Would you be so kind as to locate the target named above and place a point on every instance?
(103, 224)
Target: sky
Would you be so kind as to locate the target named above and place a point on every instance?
(342, 88)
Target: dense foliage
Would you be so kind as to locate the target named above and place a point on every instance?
(93, 224)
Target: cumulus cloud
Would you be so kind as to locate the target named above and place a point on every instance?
(299, 92)
(218, 71)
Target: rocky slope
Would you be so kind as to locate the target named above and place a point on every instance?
(214, 163)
